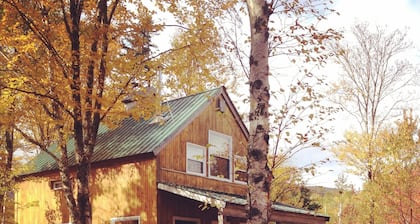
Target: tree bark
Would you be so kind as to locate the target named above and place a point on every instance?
(6, 185)
(82, 160)
(259, 175)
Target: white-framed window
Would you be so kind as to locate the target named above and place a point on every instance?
(220, 155)
(240, 165)
(196, 159)
(185, 220)
(126, 220)
(56, 185)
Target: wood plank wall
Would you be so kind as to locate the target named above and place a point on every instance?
(125, 190)
(37, 202)
(116, 191)
(172, 159)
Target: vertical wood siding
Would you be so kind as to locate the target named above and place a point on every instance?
(172, 158)
(125, 190)
(38, 203)
(116, 191)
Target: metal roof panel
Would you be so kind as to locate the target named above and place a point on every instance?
(134, 137)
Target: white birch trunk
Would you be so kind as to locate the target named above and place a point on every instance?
(259, 175)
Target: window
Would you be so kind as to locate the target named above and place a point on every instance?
(183, 220)
(220, 153)
(196, 157)
(240, 169)
(56, 185)
(126, 220)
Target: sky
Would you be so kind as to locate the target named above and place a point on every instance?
(394, 14)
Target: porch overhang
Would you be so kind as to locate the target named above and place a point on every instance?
(235, 206)
(193, 194)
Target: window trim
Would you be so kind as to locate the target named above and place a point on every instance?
(204, 160)
(188, 219)
(56, 185)
(125, 218)
(230, 178)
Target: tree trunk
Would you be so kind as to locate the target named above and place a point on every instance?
(83, 199)
(6, 185)
(68, 185)
(82, 160)
(259, 175)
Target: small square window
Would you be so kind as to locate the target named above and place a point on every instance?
(56, 185)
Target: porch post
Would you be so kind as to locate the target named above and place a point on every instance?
(220, 217)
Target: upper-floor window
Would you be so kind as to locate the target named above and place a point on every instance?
(240, 169)
(220, 155)
(217, 160)
(196, 158)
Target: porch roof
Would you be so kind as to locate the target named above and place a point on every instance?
(220, 200)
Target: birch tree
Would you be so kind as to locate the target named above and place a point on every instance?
(259, 175)
(373, 74)
(302, 41)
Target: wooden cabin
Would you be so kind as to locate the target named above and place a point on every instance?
(188, 168)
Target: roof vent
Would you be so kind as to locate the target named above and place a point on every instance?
(221, 105)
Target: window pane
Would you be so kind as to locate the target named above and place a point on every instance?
(219, 167)
(195, 166)
(240, 162)
(241, 175)
(195, 152)
(219, 144)
(240, 168)
(195, 158)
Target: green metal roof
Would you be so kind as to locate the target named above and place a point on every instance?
(134, 137)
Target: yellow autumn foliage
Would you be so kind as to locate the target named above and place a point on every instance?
(76, 61)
